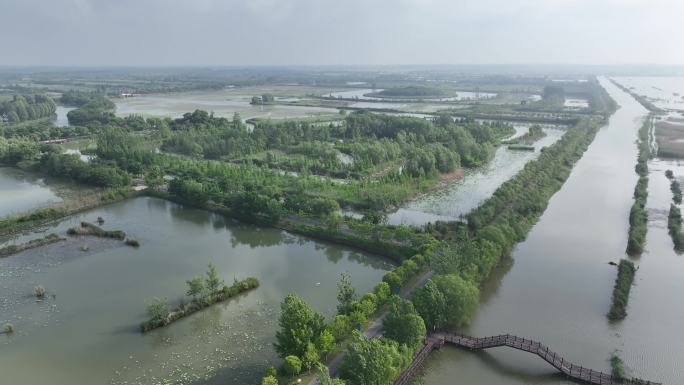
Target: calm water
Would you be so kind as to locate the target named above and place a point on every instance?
(87, 334)
(61, 112)
(361, 94)
(556, 288)
(20, 192)
(222, 103)
(477, 185)
(665, 92)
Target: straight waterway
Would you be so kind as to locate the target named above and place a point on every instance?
(556, 288)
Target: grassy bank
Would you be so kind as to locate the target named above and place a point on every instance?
(14, 249)
(623, 284)
(18, 223)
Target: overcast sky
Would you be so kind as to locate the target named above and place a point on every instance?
(313, 32)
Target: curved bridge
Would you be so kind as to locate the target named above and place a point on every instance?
(577, 372)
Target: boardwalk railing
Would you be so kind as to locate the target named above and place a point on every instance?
(571, 370)
(431, 343)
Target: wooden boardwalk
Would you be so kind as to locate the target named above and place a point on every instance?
(571, 370)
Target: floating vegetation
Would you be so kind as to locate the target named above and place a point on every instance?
(94, 230)
(8, 328)
(13, 249)
(40, 291)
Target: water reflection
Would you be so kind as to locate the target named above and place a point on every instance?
(102, 295)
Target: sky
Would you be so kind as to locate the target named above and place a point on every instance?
(339, 32)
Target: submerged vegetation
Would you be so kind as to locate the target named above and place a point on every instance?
(204, 292)
(14, 249)
(623, 284)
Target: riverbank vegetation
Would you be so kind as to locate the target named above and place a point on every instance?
(623, 284)
(14, 249)
(204, 291)
(638, 216)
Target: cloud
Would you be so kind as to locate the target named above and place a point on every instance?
(273, 32)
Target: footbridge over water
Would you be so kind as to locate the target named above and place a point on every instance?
(577, 372)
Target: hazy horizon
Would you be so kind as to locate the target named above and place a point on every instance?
(212, 33)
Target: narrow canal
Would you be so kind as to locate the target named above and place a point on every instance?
(556, 287)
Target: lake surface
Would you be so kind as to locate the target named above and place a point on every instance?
(362, 94)
(556, 288)
(21, 191)
(88, 333)
(223, 103)
(666, 92)
(465, 194)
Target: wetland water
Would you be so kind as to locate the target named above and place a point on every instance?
(20, 192)
(462, 196)
(556, 287)
(223, 103)
(88, 333)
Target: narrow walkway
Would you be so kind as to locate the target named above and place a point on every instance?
(577, 372)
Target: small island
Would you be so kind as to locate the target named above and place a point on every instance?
(204, 292)
(411, 92)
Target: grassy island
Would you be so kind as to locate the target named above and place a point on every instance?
(623, 284)
(96, 231)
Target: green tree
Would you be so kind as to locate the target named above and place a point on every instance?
(213, 282)
(346, 294)
(270, 371)
(311, 357)
(323, 377)
(403, 324)
(158, 309)
(292, 365)
(325, 343)
(269, 380)
(449, 301)
(373, 361)
(299, 326)
(430, 303)
(341, 327)
(382, 292)
(195, 287)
